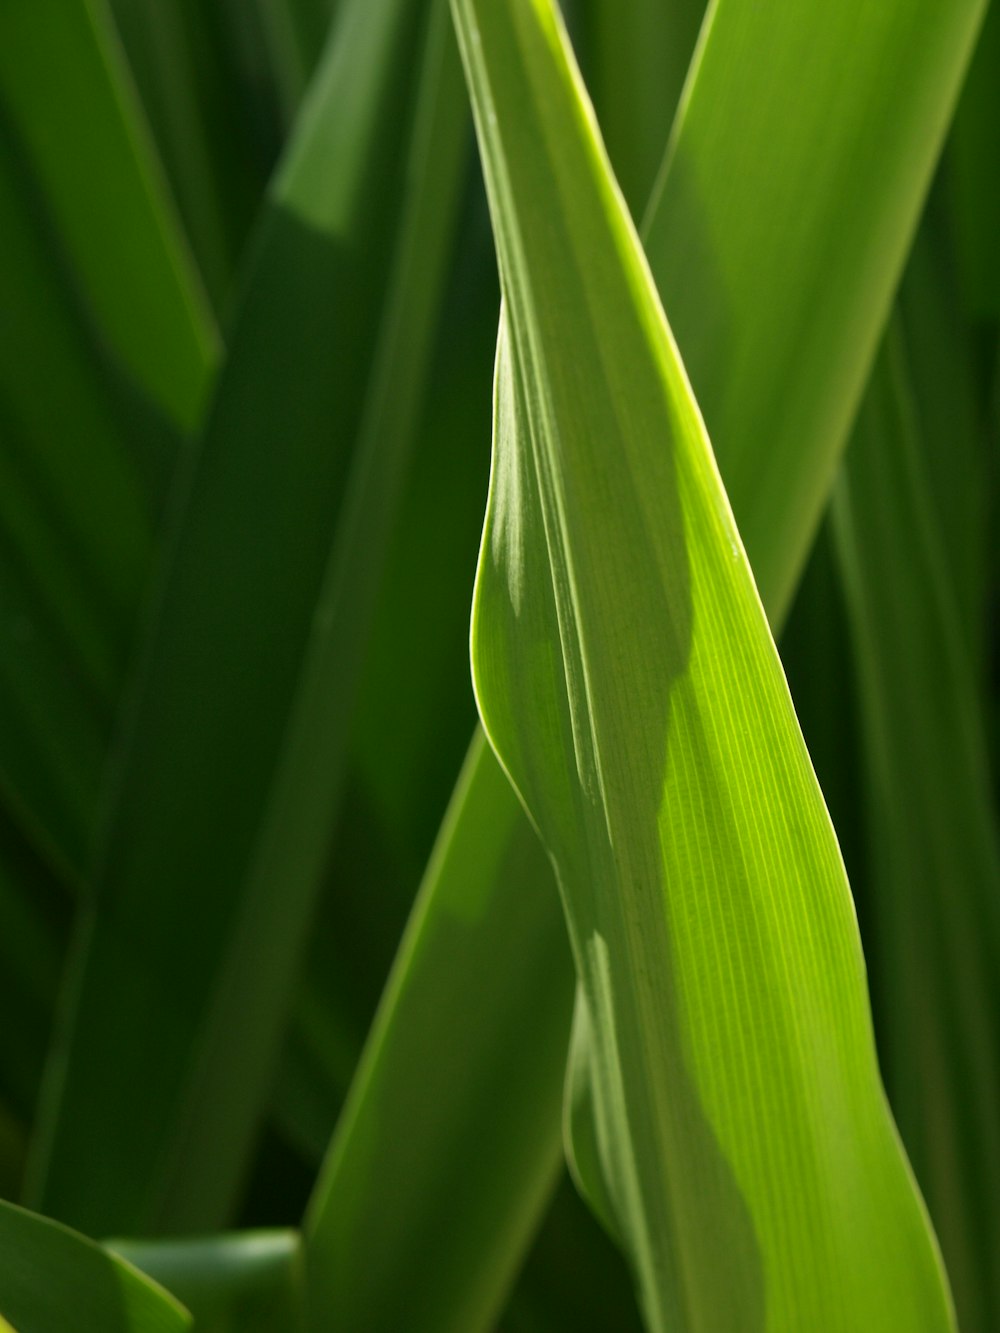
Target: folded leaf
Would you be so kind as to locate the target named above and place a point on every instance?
(627, 679)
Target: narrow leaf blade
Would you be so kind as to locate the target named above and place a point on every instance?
(55, 1281)
(732, 1066)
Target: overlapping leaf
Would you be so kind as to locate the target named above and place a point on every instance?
(405, 1156)
(245, 1282)
(235, 748)
(55, 1281)
(772, 193)
(726, 1090)
(64, 87)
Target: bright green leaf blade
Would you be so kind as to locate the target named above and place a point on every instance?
(246, 1282)
(55, 1281)
(776, 311)
(408, 1153)
(227, 792)
(626, 675)
(63, 83)
(935, 897)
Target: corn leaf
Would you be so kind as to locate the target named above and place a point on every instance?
(77, 527)
(932, 827)
(55, 1281)
(744, 256)
(408, 1149)
(64, 85)
(246, 1282)
(730, 1093)
(235, 749)
(732, 44)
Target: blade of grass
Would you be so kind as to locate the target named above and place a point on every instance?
(65, 87)
(933, 834)
(55, 1281)
(226, 793)
(733, 1090)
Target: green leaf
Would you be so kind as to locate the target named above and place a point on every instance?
(241, 1283)
(294, 30)
(63, 83)
(76, 525)
(638, 56)
(190, 84)
(626, 675)
(796, 116)
(55, 1281)
(416, 1121)
(935, 848)
(867, 214)
(228, 786)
